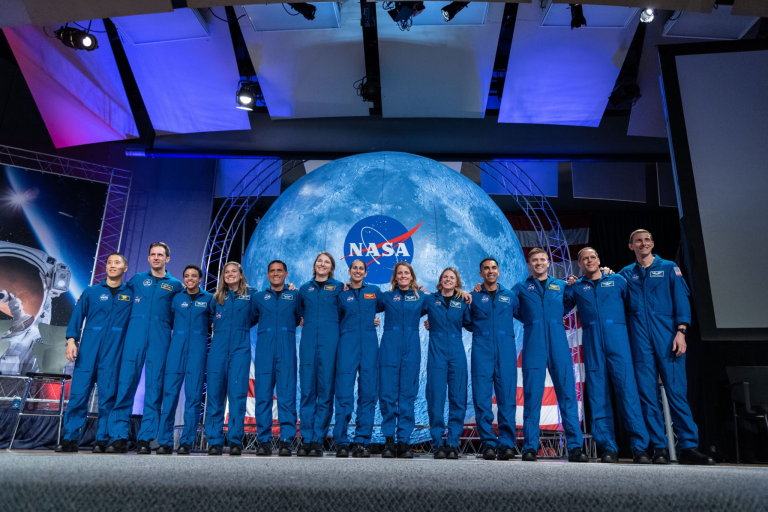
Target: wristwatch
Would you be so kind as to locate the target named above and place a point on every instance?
(682, 330)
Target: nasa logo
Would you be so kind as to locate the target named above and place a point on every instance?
(438, 303)
(587, 288)
(381, 242)
(396, 298)
(218, 315)
(104, 297)
(311, 289)
(185, 304)
(350, 298)
(486, 298)
(531, 287)
(147, 282)
(137, 300)
(267, 296)
(635, 277)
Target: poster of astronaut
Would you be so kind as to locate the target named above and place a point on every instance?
(49, 235)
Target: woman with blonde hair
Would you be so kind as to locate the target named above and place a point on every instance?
(229, 358)
(447, 363)
(400, 359)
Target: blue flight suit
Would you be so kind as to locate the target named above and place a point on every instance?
(146, 345)
(447, 364)
(658, 303)
(400, 361)
(186, 363)
(275, 362)
(608, 358)
(98, 357)
(545, 345)
(319, 307)
(229, 366)
(358, 352)
(494, 363)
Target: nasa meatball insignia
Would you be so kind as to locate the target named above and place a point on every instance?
(104, 297)
(185, 304)
(350, 298)
(396, 298)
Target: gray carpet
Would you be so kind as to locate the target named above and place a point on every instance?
(82, 482)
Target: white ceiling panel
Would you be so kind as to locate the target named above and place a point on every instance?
(310, 73)
(437, 70)
(176, 25)
(275, 17)
(561, 76)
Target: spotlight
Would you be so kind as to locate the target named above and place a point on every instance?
(369, 89)
(306, 10)
(77, 39)
(624, 95)
(402, 13)
(646, 15)
(452, 9)
(577, 16)
(248, 95)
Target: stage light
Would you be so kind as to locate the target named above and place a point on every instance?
(577, 16)
(306, 10)
(625, 95)
(402, 13)
(450, 10)
(646, 15)
(249, 95)
(77, 39)
(368, 88)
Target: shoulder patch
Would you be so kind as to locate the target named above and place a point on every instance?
(123, 297)
(369, 295)
(329, 288)
(606, 284)
(166, 286)
(286, 296)
(503, 298)
(677, 271)
(553, 286)
(657, 273)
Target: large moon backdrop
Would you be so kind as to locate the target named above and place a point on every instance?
(434, 217)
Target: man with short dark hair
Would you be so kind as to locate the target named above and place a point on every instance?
(148, 337)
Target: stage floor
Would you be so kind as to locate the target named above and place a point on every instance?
(45, 481)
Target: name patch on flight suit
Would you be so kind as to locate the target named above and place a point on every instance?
(287, 296)
(503, 298)
(243, 297)
(606, 284)
(456, 304)
(166, 286)
(329, 288)
(410, 298)
(369, 295)
(124, 298)
(201, 304)
(553, 286)
(657, 273)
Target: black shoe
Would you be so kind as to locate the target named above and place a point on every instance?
(505, 453)
(184, 449)
(284, 449)
(389, 451)
(440, 452)
(264, 449)
(359, 451)
(660, 456)
(529, 455)
(404, 451)
(609, 457)
(67, 446)
(214, 450)
(235, 450)
(488, 452)
(342, 451)
(164, 449)
(143, 448)
(640, 457)
(315, 450)
(302, 450)
(577, 455)
(694, 456)
(452, 453)
(100, 447)
(117, 446)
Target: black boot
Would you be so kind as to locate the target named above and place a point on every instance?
(164, 449)
(694, 456)
(577, 455)
(214, 450)
(505, 453)
(302, 450)
(284, 449)
(640, 457)
(100, 447)
(389, 451)
(660, 456)
(117, 446)
(264, 449)
(143, 448)
(404, 451)
(360, 451)
(235, 450)
(452, 453)
(67, 446)
(529, 455)
(342, 451)
(441, 452)
(315, 450)
(184, 449)
(488, 452)
(609, 457)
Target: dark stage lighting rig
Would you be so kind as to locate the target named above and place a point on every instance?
(368, 88)
(402, 13)
(450, 10)
(624, 95)
(646, 15)
(249, 95)
(577, 16)
(306, 10)
(76, 38)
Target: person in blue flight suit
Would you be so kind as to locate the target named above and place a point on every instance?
(494, 362)
(659, 315)
(400, 359)
(146, 345)
(545, 346)
(275, 361)
(447, 363)
(229, 359)
(601, 301)
(319, 311)
(192, 316)
(358, 356)
(106, 309)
